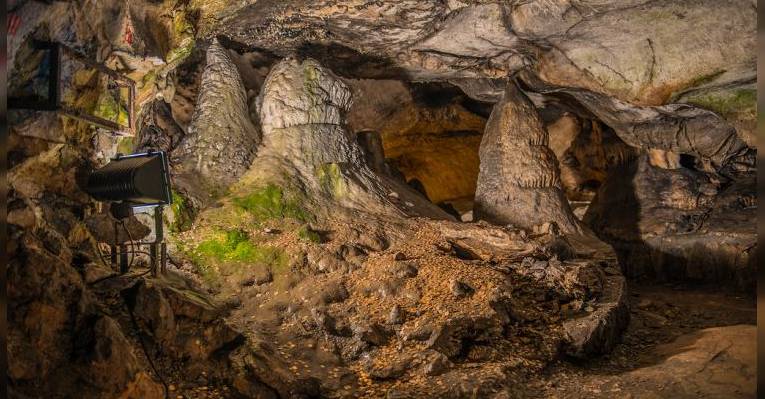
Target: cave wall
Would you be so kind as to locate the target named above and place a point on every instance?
(636, 110)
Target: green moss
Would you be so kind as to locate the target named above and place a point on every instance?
(125, 145)
(232, 250)
(183, 32)
(743, 101)
(182, 215)
(178, 54)
(270, 202)
(306, 234)
(233, 245)
(108, 108)
(181, 25)
(148, 79)
(331, 179)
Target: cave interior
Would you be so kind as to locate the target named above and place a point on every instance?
(387, 199)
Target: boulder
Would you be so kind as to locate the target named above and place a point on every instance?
(679, 224)
(600, 329)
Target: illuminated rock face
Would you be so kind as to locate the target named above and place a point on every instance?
(221, 140)
(519, 182)
(303, 109)
(427, 134)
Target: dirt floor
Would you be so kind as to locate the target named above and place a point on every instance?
(682, 342)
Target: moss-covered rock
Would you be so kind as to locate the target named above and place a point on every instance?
(728, 103)
(305, 233)
(331, 179)
(182, 213)
(228, 252)
(270, 202)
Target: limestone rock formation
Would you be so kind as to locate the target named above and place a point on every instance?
(586, 151)
(221, 141)
(428, 132)
(158, 129)
(679, 223)
(610, 55)
(331, 268)
(519, 181)
(303, 108)
(679, 128)
(627, 57)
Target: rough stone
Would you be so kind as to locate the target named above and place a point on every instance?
(221, 141)
(598, 331)
(461, 289)
(691, 225)
(519, 180)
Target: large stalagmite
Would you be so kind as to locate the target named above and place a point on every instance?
(221, 141)
(519, 180)
(303, 108)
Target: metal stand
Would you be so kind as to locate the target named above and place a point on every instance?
(158, 249)
(113, 250)
(123, 259)
(163, 259)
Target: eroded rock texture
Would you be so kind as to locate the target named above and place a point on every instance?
(312, 143)
(430, 133)
(360, 296)
(635, 51)
(221, 140)
(302, 109)
(519, 181)
(679, 224)
(679, 128)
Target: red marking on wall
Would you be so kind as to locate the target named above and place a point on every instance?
(14, 21)
(129, 35)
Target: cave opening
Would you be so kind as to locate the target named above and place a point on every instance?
(428, 135)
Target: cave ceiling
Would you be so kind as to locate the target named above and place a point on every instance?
(622, 62)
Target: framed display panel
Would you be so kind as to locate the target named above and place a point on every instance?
(53, 77)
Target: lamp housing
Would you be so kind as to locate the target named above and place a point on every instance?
(141, 179)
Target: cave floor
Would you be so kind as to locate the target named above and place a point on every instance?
(682, 342)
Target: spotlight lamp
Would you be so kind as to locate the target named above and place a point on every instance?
(135, 181)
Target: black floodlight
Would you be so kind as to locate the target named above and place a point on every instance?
(138, 180)
(131, 181)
